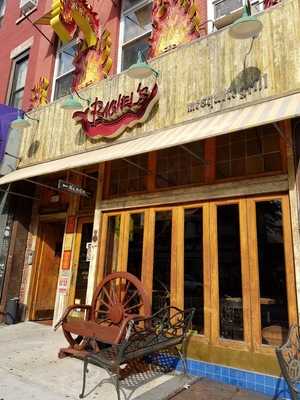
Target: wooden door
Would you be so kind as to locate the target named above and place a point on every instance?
(48, 262)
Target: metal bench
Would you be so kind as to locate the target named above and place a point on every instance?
(289, 360)
(168, 328)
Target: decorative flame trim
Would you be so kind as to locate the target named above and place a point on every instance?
(174, 22)
(66, 15)
(39, 93)
(94, 63)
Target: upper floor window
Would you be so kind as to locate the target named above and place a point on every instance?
(27, 6)
(19, 68)
(64, 69)
(225, 12)
(135, 30)
(2, 10)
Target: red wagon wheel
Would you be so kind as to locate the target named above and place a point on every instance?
(119, 295)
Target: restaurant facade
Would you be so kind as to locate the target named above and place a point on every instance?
(186, 179)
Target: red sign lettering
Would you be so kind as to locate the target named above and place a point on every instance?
(110, 119)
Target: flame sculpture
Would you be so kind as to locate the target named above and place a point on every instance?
(92, 61)
(92, 64)
(174, 22)
(39, 93)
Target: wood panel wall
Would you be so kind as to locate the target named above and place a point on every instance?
(205, 67)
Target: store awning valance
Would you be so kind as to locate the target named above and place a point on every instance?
(218, 124)
(7, 115)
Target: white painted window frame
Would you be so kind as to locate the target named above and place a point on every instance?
(60, 49)
(34, 7)
(211, 11)
(21, 56)
(122, 30)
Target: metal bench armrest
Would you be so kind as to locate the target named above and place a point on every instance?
(288, 356)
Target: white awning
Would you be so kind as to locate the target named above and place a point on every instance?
(220, 123)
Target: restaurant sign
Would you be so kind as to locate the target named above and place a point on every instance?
(239, 90)
(110, 119)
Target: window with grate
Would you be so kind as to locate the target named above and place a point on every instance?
(180, 165)
(250, 152)
(136, 27)
(128, 176)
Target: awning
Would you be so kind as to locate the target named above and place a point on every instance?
(7, 115)
(220, 123)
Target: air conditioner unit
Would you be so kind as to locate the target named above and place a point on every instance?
(227, 11)
(27, 5)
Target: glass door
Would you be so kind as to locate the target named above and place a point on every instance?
(232, 260)
(82, 259)
(161, 278)
(274, 299)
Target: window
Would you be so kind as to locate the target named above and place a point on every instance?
(64, 69)
(128, 176)
(244, 154)
(135, 31)
(2, 10)
(20, 66)
(254, 151)
(27, 6)
(180, 165)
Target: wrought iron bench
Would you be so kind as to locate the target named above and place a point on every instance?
(168, 328)
(289, 360)
(119, 298)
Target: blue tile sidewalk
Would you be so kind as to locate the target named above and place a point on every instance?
(268, 385)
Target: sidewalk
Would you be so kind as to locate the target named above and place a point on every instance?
(31, 370)
(208, 390)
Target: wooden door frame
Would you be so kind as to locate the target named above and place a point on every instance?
(215, 295)
(210, 262)
(289, 268)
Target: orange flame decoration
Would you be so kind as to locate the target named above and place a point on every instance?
(39, 93)
(92, 62)
(83, 8)
(174, 22)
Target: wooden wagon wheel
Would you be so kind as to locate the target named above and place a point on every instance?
(119, 295)
(78, 342)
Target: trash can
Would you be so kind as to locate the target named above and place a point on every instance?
(12, 310)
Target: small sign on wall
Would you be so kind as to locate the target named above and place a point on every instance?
(88, 251)
(63, 282)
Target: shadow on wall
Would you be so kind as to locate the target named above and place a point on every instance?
(33, 148)
(246, 80)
